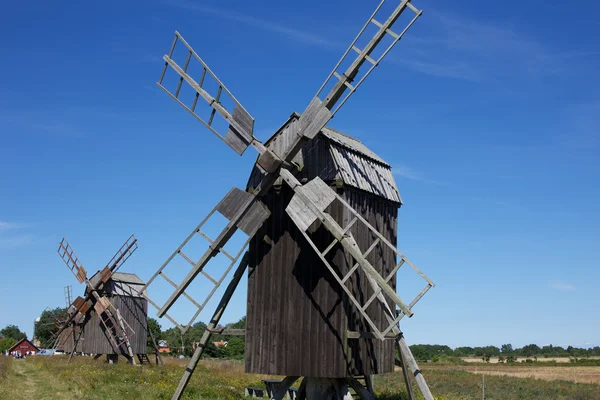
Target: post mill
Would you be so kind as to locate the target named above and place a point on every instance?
(118, 324)
(318, 218)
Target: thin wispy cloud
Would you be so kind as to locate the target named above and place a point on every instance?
(5, 226)
(295, 34)
(10, 236)
(406, 172)
(14, 242)
(563, 287)
(458, 47)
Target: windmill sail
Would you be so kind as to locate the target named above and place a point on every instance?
(243, 211)
(241, 124)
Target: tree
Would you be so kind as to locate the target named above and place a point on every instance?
(154, 328)
(464, 351)
(235, 347)
(49, 324)
(506, 348)
(6, 344)
(530, 350)
(12, 331)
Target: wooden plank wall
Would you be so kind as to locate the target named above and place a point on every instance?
(297, 315)
(134, 311)
(66, 340)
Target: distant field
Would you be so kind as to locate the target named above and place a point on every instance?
(571, 373)
(52, 378)
(494, 360)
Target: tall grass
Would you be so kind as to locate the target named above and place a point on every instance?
(5, 367)
(84, 378)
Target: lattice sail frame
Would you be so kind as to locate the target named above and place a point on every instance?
(241, 124)
(249, 224)
(305, 215)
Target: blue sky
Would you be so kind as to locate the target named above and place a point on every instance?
(490, 116)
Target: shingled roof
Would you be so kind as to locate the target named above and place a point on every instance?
(335, 156)
(121, 284)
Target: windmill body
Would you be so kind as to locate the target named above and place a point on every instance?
(121, 290)
(294, 305)
(105, 319)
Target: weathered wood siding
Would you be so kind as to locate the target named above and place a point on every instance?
(297, 315)
(134, 311)
(65, 342)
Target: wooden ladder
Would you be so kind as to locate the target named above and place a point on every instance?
(143, 358)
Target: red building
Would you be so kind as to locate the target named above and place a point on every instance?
(23, 347)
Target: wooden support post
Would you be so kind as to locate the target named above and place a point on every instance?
(405, 373)
(159, 356)
(414, 368)
(362, 392)
(369, 384)
(75, 342)
(284, 386)
(189, 370)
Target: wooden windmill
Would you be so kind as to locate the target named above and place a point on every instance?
(304, 233)
(103, 318)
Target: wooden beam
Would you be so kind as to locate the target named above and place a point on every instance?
(231, 332)
(414, 368)
(368, 335)
(189, 370)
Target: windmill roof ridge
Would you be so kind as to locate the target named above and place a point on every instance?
(340, 138)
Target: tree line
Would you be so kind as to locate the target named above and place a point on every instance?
(185, 344)
(429, 352)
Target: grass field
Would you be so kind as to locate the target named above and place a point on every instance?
(52, 378)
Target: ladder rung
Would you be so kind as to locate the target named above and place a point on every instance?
(182, 254)
(369, 59)
(416, 11)
(175, 286)
(340, 77)
(212, 116)
(329, 247)
(202, 77)
(388, 31)
(396, 268)
(187, 63)
(347, 228)
(349, 274)
(210, 278)
(222, 250)
(205, 236)
(195, 101)
(373, 297)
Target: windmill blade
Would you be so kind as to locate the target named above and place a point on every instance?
(324, 105)
(128, 248)
(244, 211)
(65, 251)
(80, 308)
(345, 78)
(307, 206)
(241, 124)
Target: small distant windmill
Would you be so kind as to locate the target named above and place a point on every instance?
(311, 253)
(108, 329)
